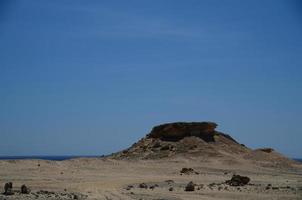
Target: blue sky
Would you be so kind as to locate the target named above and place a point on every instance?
(92, 77)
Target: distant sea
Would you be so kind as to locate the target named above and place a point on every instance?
(298, 159)
(60, 158)
(56, 158)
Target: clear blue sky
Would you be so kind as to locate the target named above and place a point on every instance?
(92, 77)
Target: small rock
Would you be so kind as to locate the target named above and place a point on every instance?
(171, 189)
(143, 185)
(238, 180)
(8, 189)
(25, 189)
(169, 181)
(190, 187)
(129, 187)
(188, 171)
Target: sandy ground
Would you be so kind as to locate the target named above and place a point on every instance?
(109, 179)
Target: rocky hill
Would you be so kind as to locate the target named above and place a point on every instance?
(197, 139)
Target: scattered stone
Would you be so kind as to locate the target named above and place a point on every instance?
(190, 187)
(169, 181)
(212, 185)
(25, 189)
(238, 180)
(143, 185)
(188, 171)
(129, 187)
(171, 189)
(8, 189)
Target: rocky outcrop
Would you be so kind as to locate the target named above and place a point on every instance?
(179, 130)
(173, 139)
(197, 140)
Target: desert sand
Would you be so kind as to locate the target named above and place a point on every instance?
(132, 177)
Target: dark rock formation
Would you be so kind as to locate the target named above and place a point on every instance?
(179, 130)
(190, 187)
(238, 180)
(8, 189)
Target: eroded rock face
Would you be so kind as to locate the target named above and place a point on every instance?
(179, 130)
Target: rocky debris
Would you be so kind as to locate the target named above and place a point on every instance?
(266, 150)
(171, 189)
(188, 171)
(25, 189)
(43, 194)
(190, 187)
(8, 189)
(238, 180)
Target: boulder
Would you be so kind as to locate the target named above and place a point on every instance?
(143, 185)
(8, 189)
(25, 189)
(238, 180)
(190, 187)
